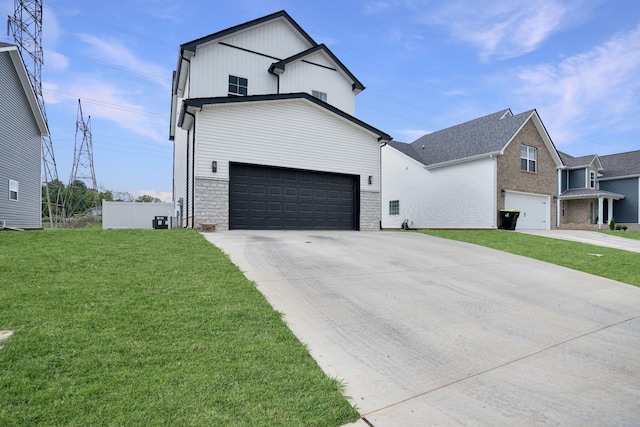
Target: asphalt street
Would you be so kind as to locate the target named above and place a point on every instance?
(428, 331)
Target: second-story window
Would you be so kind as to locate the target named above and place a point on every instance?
(528, 159)
(320, 95)
(238, 86)
(592, 179)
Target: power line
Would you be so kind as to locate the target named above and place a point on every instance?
(111, 65)
(115, 28)
(108, 105)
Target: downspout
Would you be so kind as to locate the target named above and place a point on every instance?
(193, 171)
(186, 182)
(380, 175)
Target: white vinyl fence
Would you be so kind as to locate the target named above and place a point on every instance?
(135, 214)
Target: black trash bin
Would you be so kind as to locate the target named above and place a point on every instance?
(508, 219)
(161, 222)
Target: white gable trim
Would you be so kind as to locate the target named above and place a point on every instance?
(26, 87)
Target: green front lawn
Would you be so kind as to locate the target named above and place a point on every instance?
(610, 263)
(147, 327)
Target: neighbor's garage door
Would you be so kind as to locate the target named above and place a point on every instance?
(270, 198)
(534, 210)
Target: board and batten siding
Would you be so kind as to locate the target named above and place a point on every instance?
(20, 152)
(455, 196)
(317, 73)
(274, 38)
(213, 62)
(292, 134)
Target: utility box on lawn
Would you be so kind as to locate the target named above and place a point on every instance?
(161, 222)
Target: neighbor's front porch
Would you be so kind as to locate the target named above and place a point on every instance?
(586, 208)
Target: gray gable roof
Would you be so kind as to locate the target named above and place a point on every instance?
(577, 162)
(483, 136)
(621, 164)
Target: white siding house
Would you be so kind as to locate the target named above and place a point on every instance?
(462, 176)
(264, 133)
(459, 196)
(21, 130)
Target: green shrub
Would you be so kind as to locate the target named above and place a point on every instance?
(624, 228)
(612, 224)
(618, 227)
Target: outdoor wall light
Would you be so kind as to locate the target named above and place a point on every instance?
(214, 166)
(370, 179)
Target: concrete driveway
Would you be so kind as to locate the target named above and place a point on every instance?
(427, 331)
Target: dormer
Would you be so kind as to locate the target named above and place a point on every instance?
(580, 172)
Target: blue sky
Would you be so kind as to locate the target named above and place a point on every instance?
(426, 64)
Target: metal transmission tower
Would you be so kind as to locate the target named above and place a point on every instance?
(26, 26)
(82, 191)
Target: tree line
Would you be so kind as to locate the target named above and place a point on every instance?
(76, 198)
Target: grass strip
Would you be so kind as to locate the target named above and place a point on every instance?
(628, 234)
(147, 327)
(613, 264)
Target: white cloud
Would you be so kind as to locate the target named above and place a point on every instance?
(502, 29)
(104, 100)
(590, 90)
(410, 135)
(116, 53)
(55, 61)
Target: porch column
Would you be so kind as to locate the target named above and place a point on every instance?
(600, 210)
(610, 209)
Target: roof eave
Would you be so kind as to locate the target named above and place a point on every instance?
(196, 104)
(613, 178)
(594, 195)
(463, 160)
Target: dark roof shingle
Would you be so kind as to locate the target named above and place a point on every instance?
(485, 135)
(621, 164)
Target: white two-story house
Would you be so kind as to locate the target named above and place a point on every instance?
(262, 120)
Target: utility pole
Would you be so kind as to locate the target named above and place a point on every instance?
(26, 27)
(82, 191)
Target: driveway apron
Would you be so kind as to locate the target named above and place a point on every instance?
(428, 331)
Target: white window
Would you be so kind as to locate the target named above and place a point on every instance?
(592, 179)
(238, 86)
(394, 207)
(320, 95)
(528, 158)
(564, 208)
(13, 189)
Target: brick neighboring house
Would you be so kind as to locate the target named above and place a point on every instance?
(460, 177)
(595, 189)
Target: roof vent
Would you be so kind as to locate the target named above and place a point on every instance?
(422, 148)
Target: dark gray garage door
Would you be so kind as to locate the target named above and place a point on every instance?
(270, 198)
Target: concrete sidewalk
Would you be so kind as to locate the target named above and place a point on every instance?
(590, 237)
(429, 331)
